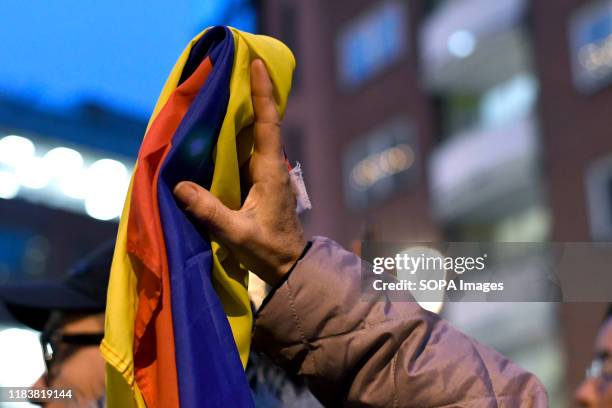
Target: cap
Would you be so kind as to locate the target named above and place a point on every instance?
(83, 289)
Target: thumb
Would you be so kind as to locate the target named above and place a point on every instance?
(206, 207)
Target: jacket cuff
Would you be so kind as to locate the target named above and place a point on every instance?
(270, 295)
(281, 323)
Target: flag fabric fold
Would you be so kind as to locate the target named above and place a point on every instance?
(178, 317)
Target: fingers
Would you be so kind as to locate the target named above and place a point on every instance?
(207, 208)
(267, 135)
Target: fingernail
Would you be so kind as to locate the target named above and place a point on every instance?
(186, 193)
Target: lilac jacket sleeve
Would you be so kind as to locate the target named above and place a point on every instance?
(378, 353)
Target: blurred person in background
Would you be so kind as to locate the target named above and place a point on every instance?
(70, 316)
(596, 389)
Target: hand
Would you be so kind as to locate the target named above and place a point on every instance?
(265, 234)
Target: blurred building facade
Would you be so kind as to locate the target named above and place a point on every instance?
(345, 109)
(63, 177)
(461, 120)
(57, 200)
(571, 44)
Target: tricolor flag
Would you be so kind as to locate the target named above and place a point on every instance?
(178, 317)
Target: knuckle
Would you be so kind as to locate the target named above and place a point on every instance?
(284, 179)
(206, 211)
(282, 175)
(258, 189)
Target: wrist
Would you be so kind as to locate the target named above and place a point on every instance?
(285, 270)
(282, 277)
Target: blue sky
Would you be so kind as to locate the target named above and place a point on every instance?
(118, 53)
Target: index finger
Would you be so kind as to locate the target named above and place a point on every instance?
(266, 129)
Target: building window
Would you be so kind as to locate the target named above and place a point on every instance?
(371, 43)
(381, 164)
(590, 32)
(500, 105)
(509, 101)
